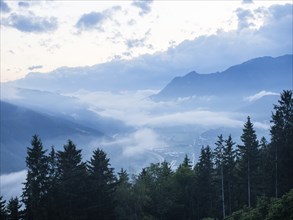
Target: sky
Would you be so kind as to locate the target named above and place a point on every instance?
(41, 36)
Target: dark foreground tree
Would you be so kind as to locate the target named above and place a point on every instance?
(72, 176)
(249, 154)
(205, 188)
(13, 209)
(101, 187)
(282, 143)
(3, 212)
(123, 197)
(36, 185)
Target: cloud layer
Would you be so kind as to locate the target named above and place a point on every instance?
(143, 5)
(95, 20)
(259, 95)
(11, 184)
(31, 23)
(4, 7)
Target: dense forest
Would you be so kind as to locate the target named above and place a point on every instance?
(251, 180)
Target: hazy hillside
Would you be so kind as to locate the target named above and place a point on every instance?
(18, 124)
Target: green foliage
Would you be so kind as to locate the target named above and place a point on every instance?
(267, 209)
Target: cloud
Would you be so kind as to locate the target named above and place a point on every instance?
(201, 118)
(247, 1)
(136, 109)
(138, 142)
(23, 4)
(35, 67)
(244, 18)
(95, 20)
(140, 42)
(143, 5)
(4, 7)
(224, 49)
(90, 20)
(31, 23)
(11, 184)
(259, 95)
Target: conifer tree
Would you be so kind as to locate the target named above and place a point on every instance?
(123, 197)
(205, 194)
(3, 212)
(185, 190)
(282, 143)
(35, 189)
(229, 171)
(102, 186)
(52, 185)
(219, 162)
(266, 168)
(249, 153)
(13, 209)
(71, 183)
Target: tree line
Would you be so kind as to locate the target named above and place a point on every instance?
(228, 182)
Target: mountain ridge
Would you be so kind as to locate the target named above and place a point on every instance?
(260, 73)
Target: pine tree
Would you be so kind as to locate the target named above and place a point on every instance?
(184, 208)
(266, 168)
(35, 189)
(123, 197)
(52, 185)
(13, 209)
(282, 143)
(205, 195)
(102, 182)
(3, 211)
(229, 171)
(219, 162)
(72, 178)
(249, 154)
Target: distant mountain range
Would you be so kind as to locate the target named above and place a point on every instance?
(50, 105)
(18, 124)
(260, 74)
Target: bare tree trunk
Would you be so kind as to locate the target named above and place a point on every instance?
(276, 177)
(229, 191)
(248, 182)
(223, 194)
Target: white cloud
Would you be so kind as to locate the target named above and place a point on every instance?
(215, 46)
(137, 143)
(259, 95)
(136, 109)
(143, 5)
(200, 118)
(12, 184)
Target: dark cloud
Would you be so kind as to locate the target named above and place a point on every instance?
(23, 4)
(4, 7)
(95, 20)
(244, 18)
(31, 23)
(35, 67)
(143, 5)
